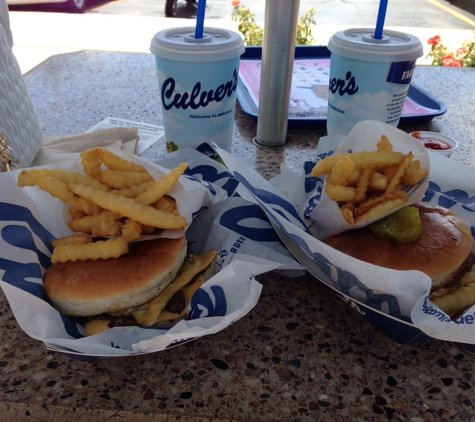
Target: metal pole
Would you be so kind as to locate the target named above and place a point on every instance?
(280, 28)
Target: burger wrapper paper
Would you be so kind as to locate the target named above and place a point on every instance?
(218, 219)
(323, 212)
(397, 302)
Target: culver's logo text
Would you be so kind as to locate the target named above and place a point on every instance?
(344, 86)
(196, 98)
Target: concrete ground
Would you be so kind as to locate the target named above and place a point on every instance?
(38, 35)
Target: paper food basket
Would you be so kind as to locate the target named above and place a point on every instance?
(219, 219)
(395, 302)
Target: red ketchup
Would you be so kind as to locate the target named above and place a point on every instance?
(431, 143)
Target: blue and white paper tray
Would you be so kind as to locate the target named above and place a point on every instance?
(394, 301)
(31, 218)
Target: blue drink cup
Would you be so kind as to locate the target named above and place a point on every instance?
(369, 78)
(197, 78)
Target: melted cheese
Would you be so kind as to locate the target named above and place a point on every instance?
(187, 292)
(96, 326)
(148, 314)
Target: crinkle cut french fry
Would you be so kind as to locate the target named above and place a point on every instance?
(86, 224)
(348, 215)
(399, 173)
(131, 230)
(130, 208)
(166, 203)
(91, 163)
(26, 178)
(75, 213)
(381, 209)
(414, 173)
(378, 181)
(353, 178)
(372, 202)
(360, 159)
(107, 228)
(68, 240)
(119, 179)
(362, 184)
(133, 191)
(147, 229)
(58, 190)
(102, 249)
(123, 180)
(364, 208)
(67, 177)
(340, 193)
(162, 186)
(384, 144)
(340, 172)
(114, 162)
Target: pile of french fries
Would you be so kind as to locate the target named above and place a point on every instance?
(369, 183)
(114, 199)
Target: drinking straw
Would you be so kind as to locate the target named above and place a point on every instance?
(378, 33)
(200, 18)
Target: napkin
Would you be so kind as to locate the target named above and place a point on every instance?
(63, 151)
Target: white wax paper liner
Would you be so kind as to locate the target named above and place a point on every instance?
(30, 218)
(401, 294)
(321, 213)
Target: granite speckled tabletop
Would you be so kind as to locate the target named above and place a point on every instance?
(300, 354)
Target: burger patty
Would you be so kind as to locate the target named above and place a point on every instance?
(175, 305)
(460, 272)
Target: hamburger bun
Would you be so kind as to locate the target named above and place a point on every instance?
(89, 288)
(445, 243)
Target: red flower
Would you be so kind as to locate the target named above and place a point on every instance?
(461, 51)
(235, 3)
(434, 40)
(448, 60)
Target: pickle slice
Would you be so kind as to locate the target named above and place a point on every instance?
(402, 226)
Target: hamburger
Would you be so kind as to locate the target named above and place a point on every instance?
(443, 250)
(151, 284)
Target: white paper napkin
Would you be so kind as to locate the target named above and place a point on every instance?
(63, 151)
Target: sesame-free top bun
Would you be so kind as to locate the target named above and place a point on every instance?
(441, 249)
(89, 288)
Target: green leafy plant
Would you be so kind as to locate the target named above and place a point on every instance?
(305, 26)
(253, 34)
(441, 56)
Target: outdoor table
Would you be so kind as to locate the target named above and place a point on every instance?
(300, 354)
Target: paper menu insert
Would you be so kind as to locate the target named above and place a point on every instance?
(148, 133)
(309, 89)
